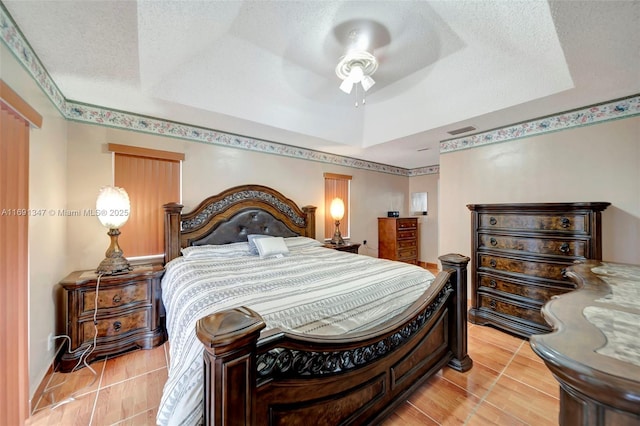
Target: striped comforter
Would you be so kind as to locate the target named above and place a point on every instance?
(311, 290)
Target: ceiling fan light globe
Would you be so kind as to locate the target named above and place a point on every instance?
(346, 86)
(367, 82)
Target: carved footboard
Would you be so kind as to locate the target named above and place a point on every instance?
(284, 378)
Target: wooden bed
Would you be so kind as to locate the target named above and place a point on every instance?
(355, 379)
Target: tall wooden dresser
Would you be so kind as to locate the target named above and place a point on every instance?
(398, 239)
(520, 253)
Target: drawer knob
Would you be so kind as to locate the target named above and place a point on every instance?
(116, 298)
(563, 272)
(565, 222)
(493, 263)
(117, 325)
(564, 248)
(493, 284)
(492, 304)
(493, 241)
(492, 220)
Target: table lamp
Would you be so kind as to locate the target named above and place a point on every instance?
(112, 209)
(337, 213)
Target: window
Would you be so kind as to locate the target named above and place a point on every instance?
(151, 178)
(336, 186)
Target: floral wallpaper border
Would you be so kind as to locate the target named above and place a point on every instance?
(13, 38)
(611, 110)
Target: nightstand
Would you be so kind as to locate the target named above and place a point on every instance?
(129, 313)
(349, 247)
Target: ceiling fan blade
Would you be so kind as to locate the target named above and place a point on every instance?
(367, 82)
(347, 85)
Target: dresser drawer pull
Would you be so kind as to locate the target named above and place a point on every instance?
(564, 248)
(117, 325)
(116, 298)
(493, 284)
(563, 272)
(492, 220)
(565, 222)
(493, 263)
(492, 304)
(493, 242)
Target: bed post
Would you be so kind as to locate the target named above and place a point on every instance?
(230, 339)
(172, 214)
(458, 263)
(310, 211)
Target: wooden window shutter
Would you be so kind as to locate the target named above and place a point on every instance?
(151, 178)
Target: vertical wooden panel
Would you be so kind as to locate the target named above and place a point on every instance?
(14, 222)
(150, 183)
(336, 187)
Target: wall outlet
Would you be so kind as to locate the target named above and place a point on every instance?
(364, 242)
(50, 342)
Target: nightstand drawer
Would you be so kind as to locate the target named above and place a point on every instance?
(546, 246)
(116, 326)
(134, 293)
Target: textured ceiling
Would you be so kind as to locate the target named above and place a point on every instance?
(265, 69)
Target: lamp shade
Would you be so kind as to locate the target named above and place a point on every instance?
(337, 209)
(113, 207)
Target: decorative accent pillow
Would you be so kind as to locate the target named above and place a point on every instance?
(271, 247)
(223, 250)
(251, 239)
(296, 243)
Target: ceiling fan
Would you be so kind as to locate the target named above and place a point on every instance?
(357, 66)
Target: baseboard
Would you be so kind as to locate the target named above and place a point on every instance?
(33, 402)
(427, 265)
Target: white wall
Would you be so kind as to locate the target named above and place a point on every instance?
(209, 169)
(593, 163)
(428, 224)
(47, 234)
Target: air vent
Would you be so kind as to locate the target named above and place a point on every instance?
(462, 130)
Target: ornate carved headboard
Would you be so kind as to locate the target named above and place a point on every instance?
(232, 215)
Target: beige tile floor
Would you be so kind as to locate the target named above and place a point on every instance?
(508, 385)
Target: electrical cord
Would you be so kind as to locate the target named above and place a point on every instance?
(84, 355)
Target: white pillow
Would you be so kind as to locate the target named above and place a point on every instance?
(251, 239)
(271, 247)
(295, 243)
(223, 250)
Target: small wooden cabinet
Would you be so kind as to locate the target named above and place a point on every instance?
(520, 255)
(398, 239)
(348, 247)
(129, 313)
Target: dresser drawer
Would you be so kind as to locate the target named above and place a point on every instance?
(531, 268)
(405, 244)
(113, 297)
(528, 290)
(117, 325)
(573, 222)
(403, 224)
(516, 311)
(546, 246)
(410, 253)
(407, 235)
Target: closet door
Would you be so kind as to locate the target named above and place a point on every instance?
(15, 118)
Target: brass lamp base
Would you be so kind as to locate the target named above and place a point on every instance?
(337, 238)
(114, 261)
